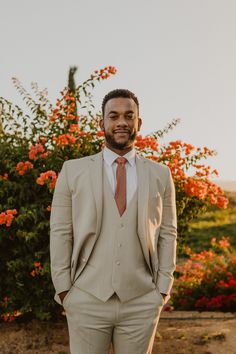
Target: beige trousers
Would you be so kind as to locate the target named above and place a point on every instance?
(94, 325)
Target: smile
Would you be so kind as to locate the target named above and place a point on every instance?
(121, 132)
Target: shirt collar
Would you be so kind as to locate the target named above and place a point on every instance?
(110, 156)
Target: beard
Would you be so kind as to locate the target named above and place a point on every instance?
(120, 146)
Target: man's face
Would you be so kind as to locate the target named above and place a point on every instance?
(120, 123)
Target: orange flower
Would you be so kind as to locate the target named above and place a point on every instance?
(215, 172)
(74, 128)
(104, 76)
(176, 144)
(44, 155)
(188, 149)
(104, 73)
(112, 70)
(49, 208)
(213, 241)
(222, 202)
(38, 265)
(22, 167)
(55, 113)
(224, 243)
(47, 177)
(146, 142)
(70, 117)
(43, 140)
(69, 97)
(35, 150)
(4, 177)
(195, 188)
(38, 269)
(58, 103)
(213, 199)
(205, 189)
(99, 133)
(176, 169)
(152, 157)
(33, 273)
(6, 217)
(83, 133)
(64, 139)
(11, 316)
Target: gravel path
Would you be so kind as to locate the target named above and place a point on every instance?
(178, 333)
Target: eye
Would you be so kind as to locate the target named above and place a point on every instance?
(113, 116)
(129, 116)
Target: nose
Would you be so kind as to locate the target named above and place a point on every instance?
(122, 122)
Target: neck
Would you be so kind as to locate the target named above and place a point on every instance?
(118, 151)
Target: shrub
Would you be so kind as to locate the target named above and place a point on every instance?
(207, 280)
(33, 148)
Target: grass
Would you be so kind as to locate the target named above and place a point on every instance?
(215, 223)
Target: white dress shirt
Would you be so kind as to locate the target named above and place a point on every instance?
(110, 165)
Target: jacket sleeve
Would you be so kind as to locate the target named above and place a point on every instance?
(61, 233)
(166, 247)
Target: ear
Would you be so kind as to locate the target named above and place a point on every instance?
(101, 124)
(139, 123)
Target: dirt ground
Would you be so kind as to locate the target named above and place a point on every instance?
(178, 333)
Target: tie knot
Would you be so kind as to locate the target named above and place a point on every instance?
(121, 160)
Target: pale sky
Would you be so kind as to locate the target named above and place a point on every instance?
(178, 56)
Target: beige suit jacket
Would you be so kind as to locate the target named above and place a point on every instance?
(76, 218)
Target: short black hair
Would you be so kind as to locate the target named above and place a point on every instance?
(116, 94)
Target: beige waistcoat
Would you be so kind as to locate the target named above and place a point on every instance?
(116, 263)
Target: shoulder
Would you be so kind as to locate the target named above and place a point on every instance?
(82, 161)
(160, 173)
(75, 167)
(156, 167)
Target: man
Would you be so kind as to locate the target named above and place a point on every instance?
(113, 239)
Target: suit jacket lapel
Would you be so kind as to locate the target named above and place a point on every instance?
(96, 175)
(143, 193)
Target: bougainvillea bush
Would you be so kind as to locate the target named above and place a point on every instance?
(207, 280)
(33, 148)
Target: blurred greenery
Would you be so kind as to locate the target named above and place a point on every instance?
(214, 223)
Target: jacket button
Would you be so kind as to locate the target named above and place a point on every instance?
(118, 263)
(83, 260)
